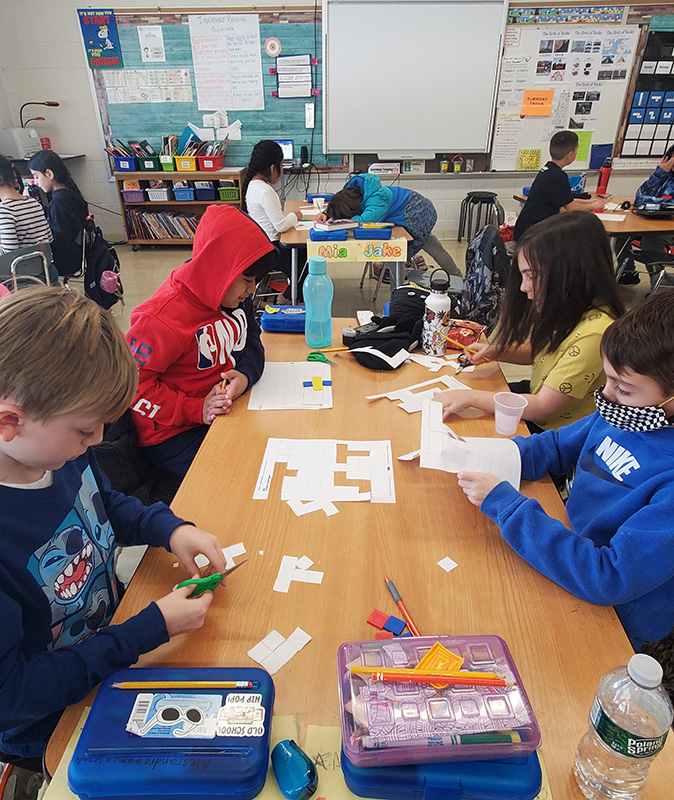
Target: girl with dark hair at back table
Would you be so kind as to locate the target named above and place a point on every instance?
(262, 203)
(22, 219)
(562, 295)
(66, 212)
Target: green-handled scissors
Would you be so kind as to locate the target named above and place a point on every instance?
(210, 583)
(318, 356)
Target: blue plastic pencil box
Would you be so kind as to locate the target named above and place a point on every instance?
(328, 236)
(372, 233)
(179, 743)
(283, 319)
(503, 779)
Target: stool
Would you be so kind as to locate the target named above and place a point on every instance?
(470, 217)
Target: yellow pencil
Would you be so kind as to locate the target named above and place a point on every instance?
(356, 670)
(225, 382)
(184, 685)
(332, 349)
(459, 345)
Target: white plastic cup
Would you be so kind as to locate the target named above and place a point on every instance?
(508, 410)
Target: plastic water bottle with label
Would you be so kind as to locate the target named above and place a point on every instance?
(318, 292)
(629, 721)
(437, 315)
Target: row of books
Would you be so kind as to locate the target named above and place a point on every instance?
(160, 225)
(348, 224)
(131, 149)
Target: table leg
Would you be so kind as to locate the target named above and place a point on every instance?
(397, 272)
(294, 257)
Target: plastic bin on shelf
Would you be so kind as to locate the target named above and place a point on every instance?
(209, 163)
(149, 163)
(183, 194)
(205, 194)
(186, 163)
(133, 195)
(159, 195)
(126, 164)
(167, 163)
(228, 193)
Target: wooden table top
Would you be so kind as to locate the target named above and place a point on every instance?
(632, 224)
(560, 644)
(296, 238)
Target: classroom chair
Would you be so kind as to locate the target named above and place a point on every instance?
(32, 264)
(470, 216)
(657, 266)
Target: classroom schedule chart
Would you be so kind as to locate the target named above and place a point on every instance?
(314, 579)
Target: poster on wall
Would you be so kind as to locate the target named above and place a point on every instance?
(101, 41)
(151, 40)
(227, 61)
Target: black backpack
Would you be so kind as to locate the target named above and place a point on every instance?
(487, 270)
(98, 256)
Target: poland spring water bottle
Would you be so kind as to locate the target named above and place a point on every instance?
(629, 722)
(437, 315)
(317, 291)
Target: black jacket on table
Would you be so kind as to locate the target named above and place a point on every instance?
(66, 214)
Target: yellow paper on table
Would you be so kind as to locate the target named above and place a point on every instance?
(324, 748)
(529, 159)
(584, 142)
(58, 789)
(537, 102)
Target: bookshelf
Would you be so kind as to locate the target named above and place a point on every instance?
(162, 209)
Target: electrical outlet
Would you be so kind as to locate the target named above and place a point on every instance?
(309, 115)
(208, 120)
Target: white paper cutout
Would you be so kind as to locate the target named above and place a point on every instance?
(274, 651)
(282, 386)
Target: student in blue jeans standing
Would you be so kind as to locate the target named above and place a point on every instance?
(364, 199)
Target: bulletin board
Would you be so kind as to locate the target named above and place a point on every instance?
(560, 77)
(157, 91)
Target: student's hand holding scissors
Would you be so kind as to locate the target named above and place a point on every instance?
(186, 542)
(479, 353)
(477, 485)
(183, 613)
(217, 402)
(455, 400)
(237, 383)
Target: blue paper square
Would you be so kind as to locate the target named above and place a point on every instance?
(667, 115)
(652, 116)
(668, 102)
(641, 99)
(655, 99)
(395, 625)
(637, 115)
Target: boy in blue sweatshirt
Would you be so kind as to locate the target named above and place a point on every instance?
(620, 550)
(65, 369)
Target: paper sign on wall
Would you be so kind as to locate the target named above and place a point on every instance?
(537, 102)
(529, 159)
(584, 142)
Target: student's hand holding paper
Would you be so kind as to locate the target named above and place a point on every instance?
(477, 485)
(183, 613)
(217, 402)
(187, 542)
(238, 383)
(455, 400)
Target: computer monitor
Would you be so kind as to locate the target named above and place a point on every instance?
(288, 150)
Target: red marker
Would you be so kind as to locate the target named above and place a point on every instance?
(399, 601)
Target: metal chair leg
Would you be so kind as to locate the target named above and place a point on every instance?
(368, 264)
(658, 280)
(380, 278)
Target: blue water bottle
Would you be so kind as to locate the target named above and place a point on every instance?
(318, 291)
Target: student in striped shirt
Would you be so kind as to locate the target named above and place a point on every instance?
(22, 220)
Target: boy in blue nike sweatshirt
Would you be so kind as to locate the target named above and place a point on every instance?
(65, 369)
(620, 550)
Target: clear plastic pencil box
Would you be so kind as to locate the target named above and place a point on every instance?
(407, 723)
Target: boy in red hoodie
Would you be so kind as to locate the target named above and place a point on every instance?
(197, 329)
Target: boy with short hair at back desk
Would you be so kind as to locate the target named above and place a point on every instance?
(65, 369)
(620, 548)
(550, 192)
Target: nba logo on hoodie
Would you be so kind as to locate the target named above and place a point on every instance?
(207, 347)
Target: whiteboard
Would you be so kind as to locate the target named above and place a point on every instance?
(410, 76)
(594, 64)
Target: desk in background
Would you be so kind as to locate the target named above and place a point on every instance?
(560, 644)
(356, 250)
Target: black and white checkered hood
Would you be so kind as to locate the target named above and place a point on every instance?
(630, 418)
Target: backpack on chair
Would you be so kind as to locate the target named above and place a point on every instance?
(100, 263)
(487, 270)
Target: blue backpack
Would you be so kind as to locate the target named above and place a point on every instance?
(487, 270)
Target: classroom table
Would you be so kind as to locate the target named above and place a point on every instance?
(561, 645)
(295, 239)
